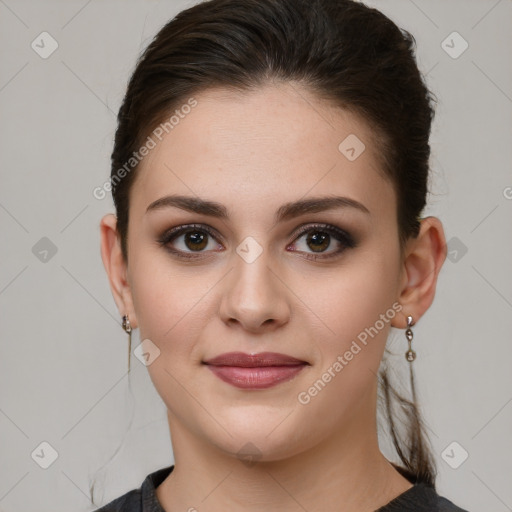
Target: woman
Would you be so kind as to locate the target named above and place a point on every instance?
(269, 172)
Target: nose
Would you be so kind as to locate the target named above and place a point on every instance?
(255, 297)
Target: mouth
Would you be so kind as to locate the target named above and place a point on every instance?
(255, 371)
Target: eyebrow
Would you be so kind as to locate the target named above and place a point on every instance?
(285, 212)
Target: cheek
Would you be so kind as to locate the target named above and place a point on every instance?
(170, 309)
(352, 297)
(349, 315)
(351, 302)
(169, 304)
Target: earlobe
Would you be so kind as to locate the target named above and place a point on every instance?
(116, 267)
(423, 260)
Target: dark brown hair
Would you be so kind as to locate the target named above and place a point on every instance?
(340, 50)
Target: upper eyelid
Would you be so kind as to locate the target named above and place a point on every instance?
(300, 230)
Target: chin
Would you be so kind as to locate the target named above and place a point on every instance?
(262, 437)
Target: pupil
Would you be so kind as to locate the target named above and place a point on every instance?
(318, 240)
(196, 238)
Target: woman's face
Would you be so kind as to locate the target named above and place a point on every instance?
(250, 284)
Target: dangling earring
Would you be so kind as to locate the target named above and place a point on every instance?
(410, 355)
(128, 328)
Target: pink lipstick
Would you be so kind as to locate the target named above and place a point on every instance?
(255, 371)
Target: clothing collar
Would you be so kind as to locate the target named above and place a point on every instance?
(150, 502)
(419, 498)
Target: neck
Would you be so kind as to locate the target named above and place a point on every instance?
(346, 472)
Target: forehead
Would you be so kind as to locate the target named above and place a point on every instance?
(263, 146)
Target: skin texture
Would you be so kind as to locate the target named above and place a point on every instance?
(253, 152)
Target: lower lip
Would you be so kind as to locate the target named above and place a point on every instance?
(256, 377)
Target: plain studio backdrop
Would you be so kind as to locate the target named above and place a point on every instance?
(64, 389)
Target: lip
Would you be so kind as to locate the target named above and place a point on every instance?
(255, 371)
(244, 360)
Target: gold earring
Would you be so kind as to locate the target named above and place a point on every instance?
(128, 328)
(410, 355)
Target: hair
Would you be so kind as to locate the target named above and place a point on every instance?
(340, 50)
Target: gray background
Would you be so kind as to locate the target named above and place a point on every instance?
(63, 364)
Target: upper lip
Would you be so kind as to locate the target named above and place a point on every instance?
(253, 360)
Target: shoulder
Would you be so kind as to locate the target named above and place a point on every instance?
(421, 498)
(445, 505)
(129, 502)
(141, 499)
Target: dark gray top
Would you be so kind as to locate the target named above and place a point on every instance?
(419, 498)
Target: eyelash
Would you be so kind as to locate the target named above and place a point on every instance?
(340, 235)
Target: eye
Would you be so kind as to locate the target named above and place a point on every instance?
(194, 239)
(319, 238)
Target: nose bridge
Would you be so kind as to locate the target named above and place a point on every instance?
(253, 294)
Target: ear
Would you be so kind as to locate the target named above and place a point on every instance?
(423, 259)
(116, 267)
